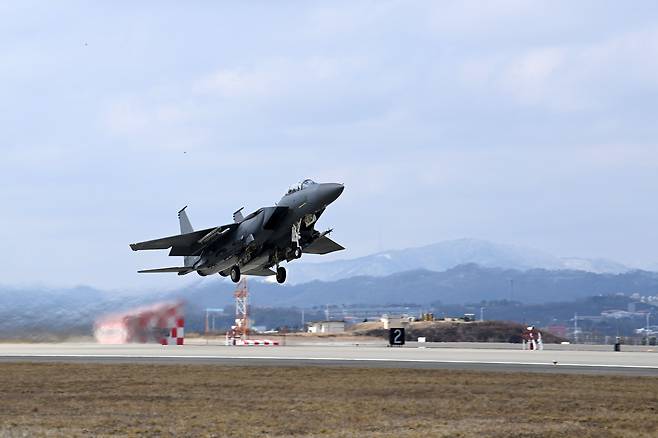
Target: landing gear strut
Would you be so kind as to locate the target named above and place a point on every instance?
(295, 238)
(280, 274)
(235, 274)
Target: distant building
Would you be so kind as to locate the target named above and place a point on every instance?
(618, 314)
(326, 327)
(391, 321)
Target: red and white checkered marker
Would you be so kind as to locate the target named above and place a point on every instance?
(262, 342)
(162, 323)
(176, 333)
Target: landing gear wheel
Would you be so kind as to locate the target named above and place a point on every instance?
(297, 253)
(223, 273)
(280, 274)
(235, 274)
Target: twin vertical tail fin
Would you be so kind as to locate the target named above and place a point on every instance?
(186, 227)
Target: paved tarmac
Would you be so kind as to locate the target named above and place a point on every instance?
(570, 361)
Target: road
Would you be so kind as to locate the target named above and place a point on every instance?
(586, 362)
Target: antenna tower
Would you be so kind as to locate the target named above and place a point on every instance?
(241, 295)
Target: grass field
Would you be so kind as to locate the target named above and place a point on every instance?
(206, 400)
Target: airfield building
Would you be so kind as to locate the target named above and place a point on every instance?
(326, 327)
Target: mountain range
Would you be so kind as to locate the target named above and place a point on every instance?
(445, 255)
(452, 272)
(462, 284)
(61, 310)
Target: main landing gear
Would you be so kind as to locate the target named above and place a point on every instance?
(296, 236)
(280, 274)
(235, 274)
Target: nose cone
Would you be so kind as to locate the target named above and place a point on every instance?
(329, 192)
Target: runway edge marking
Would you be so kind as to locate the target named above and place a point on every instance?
(319, 359)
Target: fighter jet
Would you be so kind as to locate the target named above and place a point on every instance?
(254, 244)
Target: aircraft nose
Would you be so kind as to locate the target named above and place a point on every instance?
(329, 192)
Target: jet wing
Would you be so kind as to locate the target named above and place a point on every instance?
(322, 245)
(275, 215)
(185, 244)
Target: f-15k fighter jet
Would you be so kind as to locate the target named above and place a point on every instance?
(252, 245)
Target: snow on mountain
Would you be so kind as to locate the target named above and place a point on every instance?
(598, 266)
(446, 255)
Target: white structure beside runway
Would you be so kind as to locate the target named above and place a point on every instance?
(326, 327)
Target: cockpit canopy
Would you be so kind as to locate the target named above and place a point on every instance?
(299, 186)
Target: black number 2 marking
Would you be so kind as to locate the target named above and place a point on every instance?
(396, 337)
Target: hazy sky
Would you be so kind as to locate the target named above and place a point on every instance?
(530, 123)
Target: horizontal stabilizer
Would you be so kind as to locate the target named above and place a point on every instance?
(180, 270)
(322, 245)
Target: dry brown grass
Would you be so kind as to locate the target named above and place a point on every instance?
(206, 400)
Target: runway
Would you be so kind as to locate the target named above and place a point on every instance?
(586, 362)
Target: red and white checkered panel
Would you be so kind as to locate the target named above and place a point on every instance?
(176, 334)
(162, 323)
(260, 342)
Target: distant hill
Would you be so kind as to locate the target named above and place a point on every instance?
(446, 255)
(28, 311)
(74, 310)
(462, 284)
(441, 331)
(599, 266)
